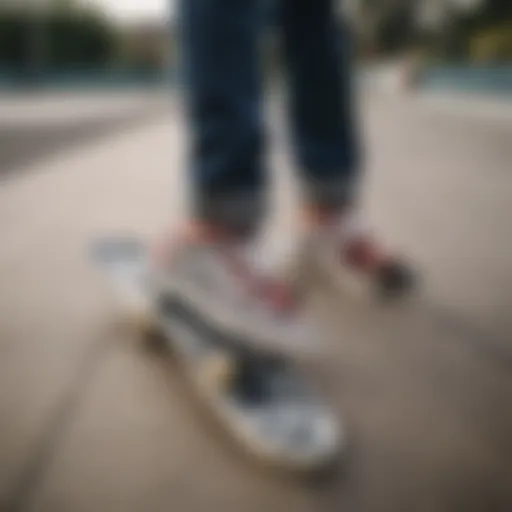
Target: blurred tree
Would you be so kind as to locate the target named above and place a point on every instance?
(73, 37)
(13, 40)
(462, 27)
(445, 27)
(76, 41)
(493, 12)
(62, 5)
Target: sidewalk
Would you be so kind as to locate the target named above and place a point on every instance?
(38, 126)
(59, 106)
(387, 80)
(476, 106)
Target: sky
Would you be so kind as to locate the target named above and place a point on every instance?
(132, 10)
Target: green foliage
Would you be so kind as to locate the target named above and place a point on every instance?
(69, 38)
(14, 38)
(492, 45)
(484, 34)
(396, 30)
(493, 12)
(77, 41)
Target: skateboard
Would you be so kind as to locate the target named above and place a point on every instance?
(261, 399)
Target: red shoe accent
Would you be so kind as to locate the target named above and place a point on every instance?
(276, 294)
(363, 254)
(280, 297)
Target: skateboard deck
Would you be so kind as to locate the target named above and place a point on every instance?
(262, 401)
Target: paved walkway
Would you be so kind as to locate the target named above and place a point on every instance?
(93, 420)
(34, 127)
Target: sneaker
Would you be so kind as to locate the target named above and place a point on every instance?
(351, 256)
(217, 281)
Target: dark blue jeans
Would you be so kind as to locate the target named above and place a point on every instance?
(223, 79)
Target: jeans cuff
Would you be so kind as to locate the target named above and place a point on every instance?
(238, 211)
(331, 194)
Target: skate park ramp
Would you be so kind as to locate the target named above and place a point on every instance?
(94, 419)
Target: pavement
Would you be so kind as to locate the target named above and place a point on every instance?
(35, 126)
(95, 419)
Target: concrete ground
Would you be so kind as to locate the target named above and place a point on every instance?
(93, 419)
(34, 126)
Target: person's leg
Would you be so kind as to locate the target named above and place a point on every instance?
(324, 123)
(325, 135)
(207, 267)
(222, 82)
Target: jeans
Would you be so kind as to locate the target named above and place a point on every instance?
(223, 79)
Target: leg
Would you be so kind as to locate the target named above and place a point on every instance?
(317, 51)
(221, 65)
(210, 270)
(317, 54)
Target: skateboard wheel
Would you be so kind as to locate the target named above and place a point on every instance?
(217, 371)
(143, 323)
(141, 319)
